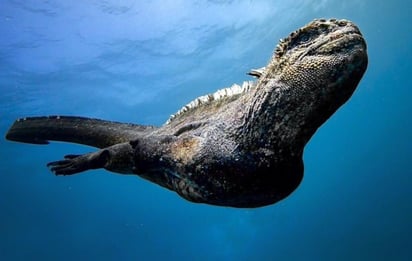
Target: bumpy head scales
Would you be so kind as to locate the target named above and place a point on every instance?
(319, 54)
(317, 29)
(321, 37)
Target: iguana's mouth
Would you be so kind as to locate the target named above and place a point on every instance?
(346, 33)
(336, 43)
(345, 39)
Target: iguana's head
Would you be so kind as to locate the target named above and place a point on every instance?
(322, 54)
(311, 74)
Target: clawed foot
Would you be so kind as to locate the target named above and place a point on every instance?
(72, 164)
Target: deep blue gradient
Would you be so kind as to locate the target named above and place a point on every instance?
(140, 62)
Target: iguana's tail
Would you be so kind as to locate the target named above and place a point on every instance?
(87, 131)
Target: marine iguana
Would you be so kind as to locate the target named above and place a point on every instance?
(241, 146)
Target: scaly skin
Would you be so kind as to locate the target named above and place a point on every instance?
(239, 150)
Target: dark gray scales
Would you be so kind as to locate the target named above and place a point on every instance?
(241, 146)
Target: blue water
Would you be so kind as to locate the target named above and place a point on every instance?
(140, 62)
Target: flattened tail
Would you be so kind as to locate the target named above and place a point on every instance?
(87, 131)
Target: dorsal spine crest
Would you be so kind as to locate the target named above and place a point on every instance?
(234, 90)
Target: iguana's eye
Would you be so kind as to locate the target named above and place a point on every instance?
(304, 38)
(301, 38)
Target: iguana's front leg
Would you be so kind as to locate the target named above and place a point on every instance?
(117, 158)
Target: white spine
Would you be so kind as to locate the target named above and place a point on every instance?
(235, 89)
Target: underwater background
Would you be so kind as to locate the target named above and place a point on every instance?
(140, 61)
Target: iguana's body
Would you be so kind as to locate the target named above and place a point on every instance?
(239, 147)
